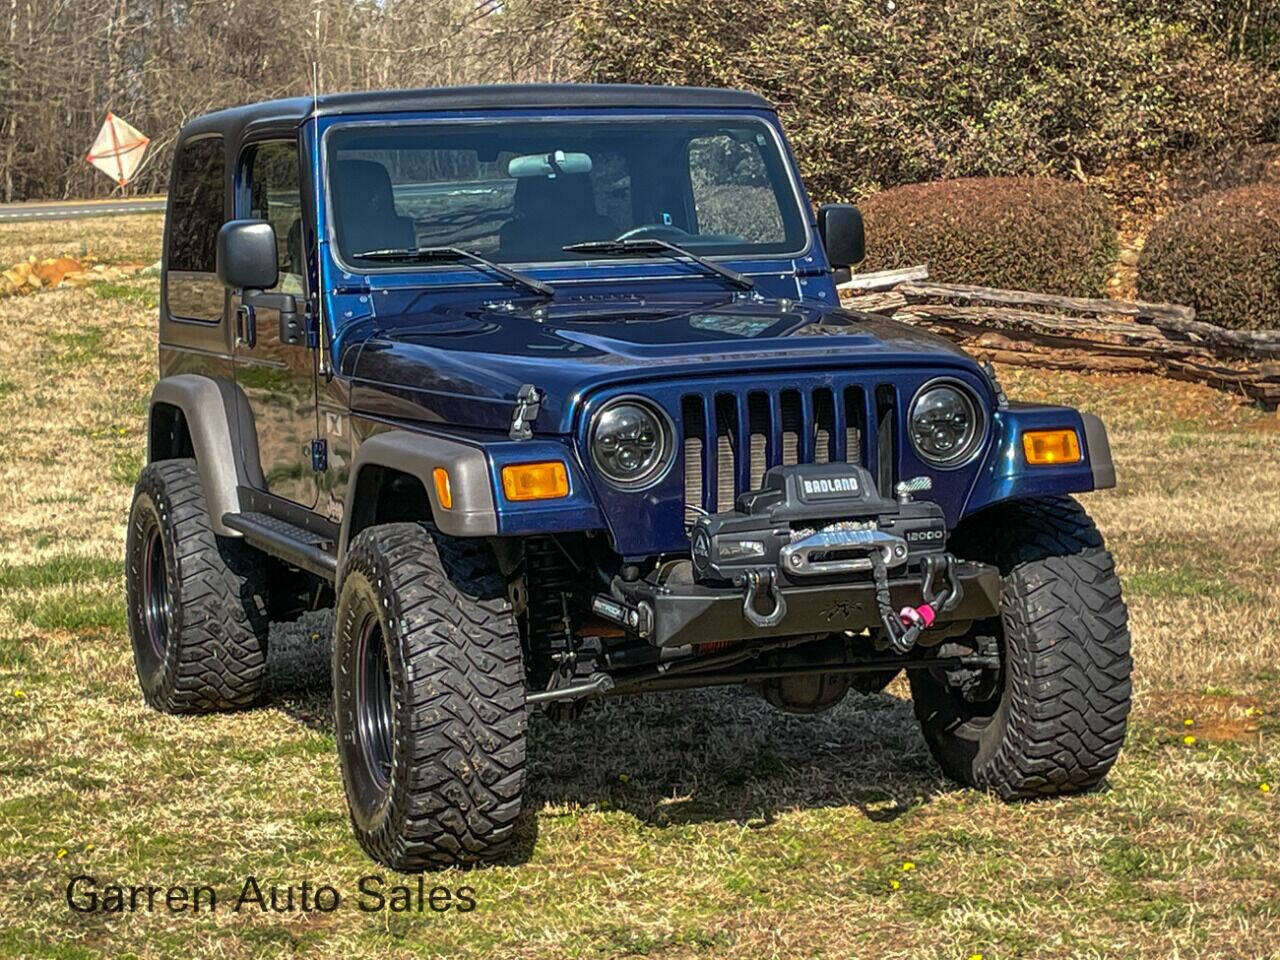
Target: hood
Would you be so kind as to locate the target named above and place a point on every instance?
(462, 364)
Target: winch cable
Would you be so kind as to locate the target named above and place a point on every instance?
(903, 628)
(894, 629)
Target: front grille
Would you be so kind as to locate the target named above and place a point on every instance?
(729, 439)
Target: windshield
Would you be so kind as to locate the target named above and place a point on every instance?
(520, 191)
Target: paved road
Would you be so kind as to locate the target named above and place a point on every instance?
(67, 209)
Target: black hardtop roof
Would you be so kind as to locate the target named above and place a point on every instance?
(533, 96)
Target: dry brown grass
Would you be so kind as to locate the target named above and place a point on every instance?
(128, 238)
(692, 825)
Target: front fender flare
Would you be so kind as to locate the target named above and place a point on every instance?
(473, 512)
(1006, 475)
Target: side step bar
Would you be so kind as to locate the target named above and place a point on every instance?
(313, 552)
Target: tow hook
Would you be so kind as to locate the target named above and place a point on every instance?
(757, 581)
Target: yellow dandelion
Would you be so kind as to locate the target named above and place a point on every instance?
(20, 694)
(908, 866)
(624, 777)
(1189, 740)
(1264, 787)
(62, 853)
(894, 885)
(1188, 722)
(976, 956)
(88, 847)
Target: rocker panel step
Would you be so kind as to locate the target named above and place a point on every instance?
(311, 551)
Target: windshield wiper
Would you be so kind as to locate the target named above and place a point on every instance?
(460, 254)
(654, 245)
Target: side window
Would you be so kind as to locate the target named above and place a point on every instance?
(192, 288)
(732, 195)
(275, 196)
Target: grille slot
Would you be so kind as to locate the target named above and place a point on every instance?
(791, 427)
(854, 413)
(695, 428)
(758, 434)
(726, 444)
(885, 438)
(824, 416)
(729, 440)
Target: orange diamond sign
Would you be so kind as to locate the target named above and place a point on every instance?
(118, 149)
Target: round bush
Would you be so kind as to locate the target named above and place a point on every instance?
(1221, 255)
(1024, 234)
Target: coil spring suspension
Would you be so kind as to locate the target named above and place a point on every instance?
(554, 653)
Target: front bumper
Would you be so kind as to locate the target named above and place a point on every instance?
(672, 609)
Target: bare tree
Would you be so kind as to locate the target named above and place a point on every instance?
(158, 63)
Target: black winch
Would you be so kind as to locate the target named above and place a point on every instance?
(813, 522)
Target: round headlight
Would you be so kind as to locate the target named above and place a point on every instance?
(946, 425)
(631, 443)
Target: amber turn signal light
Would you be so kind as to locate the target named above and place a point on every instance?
(535, 481)
(444, 493)
(1044, 447)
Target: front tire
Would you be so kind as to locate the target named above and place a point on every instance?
(429, 697)
(1052, 719)
(196, 604)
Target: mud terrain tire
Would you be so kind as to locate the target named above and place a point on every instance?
(429, 698)
(196, 608)
(1056, 719)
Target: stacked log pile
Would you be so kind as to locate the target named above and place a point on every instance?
(1074, 333)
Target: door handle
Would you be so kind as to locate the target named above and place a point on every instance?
(246, 326)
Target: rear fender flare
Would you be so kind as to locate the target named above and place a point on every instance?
(223, 436)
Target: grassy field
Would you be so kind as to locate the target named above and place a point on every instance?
(698, 824)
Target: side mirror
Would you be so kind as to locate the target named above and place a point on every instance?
(247, 262)
(247, 255)
(840, 227)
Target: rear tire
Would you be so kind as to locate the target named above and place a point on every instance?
(429, 697)
(196, 610)
(1052, 719)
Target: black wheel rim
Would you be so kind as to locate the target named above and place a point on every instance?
(373, 703)
(157, 602)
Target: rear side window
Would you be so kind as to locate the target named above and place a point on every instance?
(192, 290)
(196, 212)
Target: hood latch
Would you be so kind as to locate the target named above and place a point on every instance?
(528, 403)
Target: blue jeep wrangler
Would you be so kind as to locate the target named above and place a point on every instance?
(547, 389)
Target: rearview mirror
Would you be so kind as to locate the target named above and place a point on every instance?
(548, 164)
(247, 255)
(840, 227)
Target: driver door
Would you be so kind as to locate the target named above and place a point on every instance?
(278, 379)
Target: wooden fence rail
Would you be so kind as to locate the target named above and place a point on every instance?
(1018, 326)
